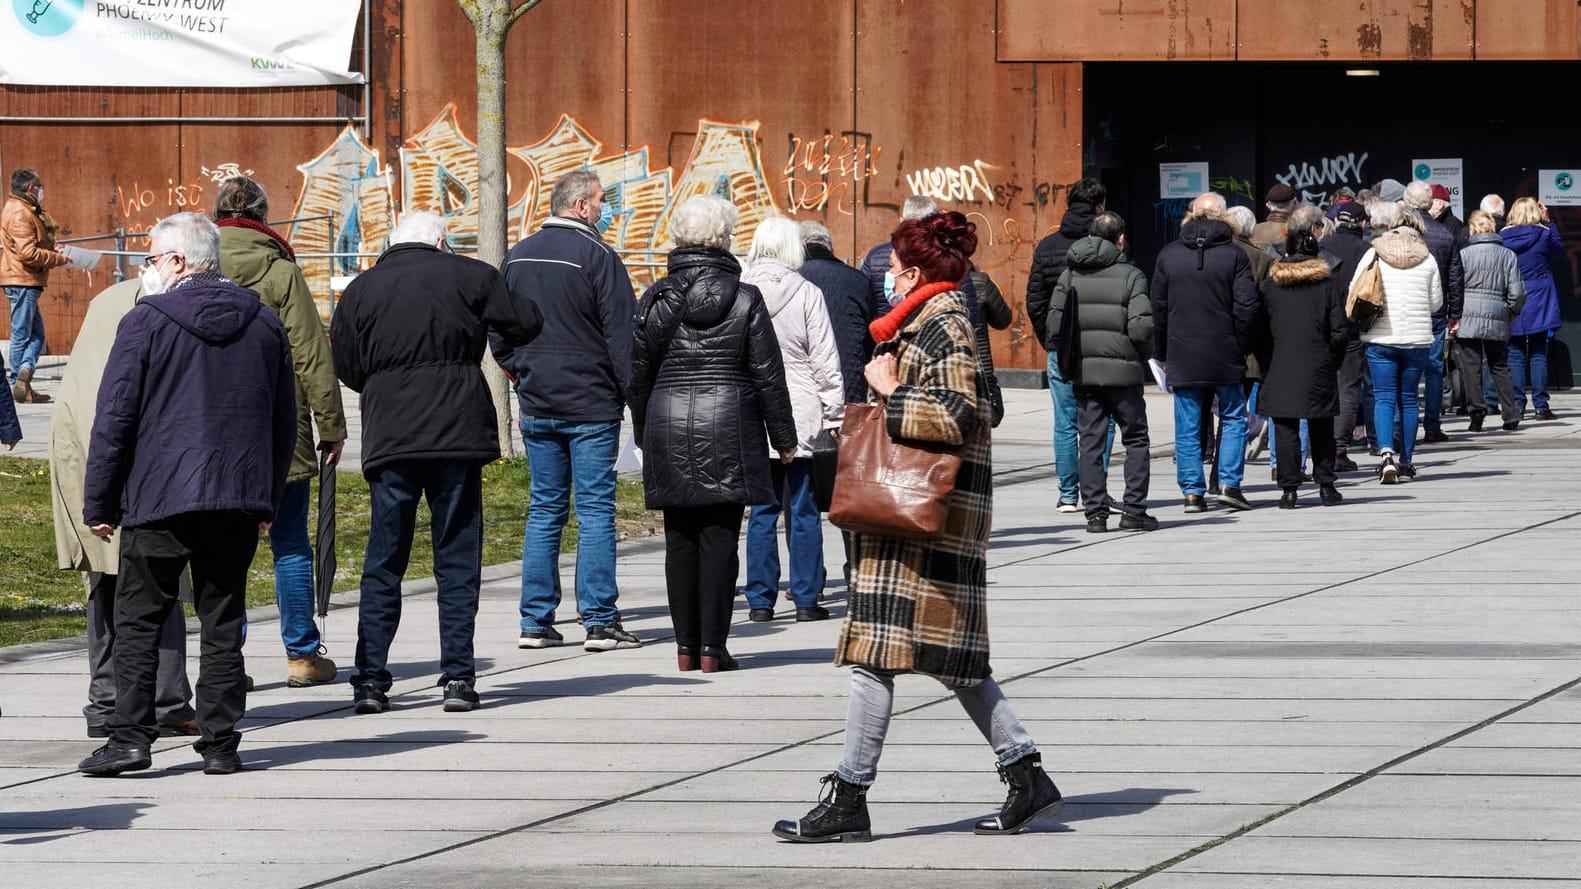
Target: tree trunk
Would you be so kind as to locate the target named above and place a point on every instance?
(491, 26)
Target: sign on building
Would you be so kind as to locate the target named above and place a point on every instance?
(1559, 188)
(1182, 180)
(1448, 172)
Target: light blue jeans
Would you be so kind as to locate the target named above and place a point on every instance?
(565, 455)
(794, 495)
(293, 571)
(27, 328)
(1066, 452)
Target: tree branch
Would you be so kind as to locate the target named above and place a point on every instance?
(470, 7)
(517, 12)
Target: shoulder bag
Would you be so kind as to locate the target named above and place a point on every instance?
(886, 487)
(1364, 303)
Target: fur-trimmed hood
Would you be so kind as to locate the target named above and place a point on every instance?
(1402, 248)
(1309, 270)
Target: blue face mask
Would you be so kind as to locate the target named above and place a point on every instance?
(889, 288)
(606, 215)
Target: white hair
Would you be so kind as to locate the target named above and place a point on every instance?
(192, 236)
(704, 221)
(815, 232)
(1418, 195)
(418, 227)
(1493, 205)
(1244, 220)
(917, 206)
(778, 238)
(1383, 214)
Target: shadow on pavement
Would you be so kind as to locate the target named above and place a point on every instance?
(261, 758)
(1087, 807)
(58, 824)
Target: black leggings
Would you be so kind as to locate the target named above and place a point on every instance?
(700, 567)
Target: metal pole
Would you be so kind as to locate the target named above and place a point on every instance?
(120, 254)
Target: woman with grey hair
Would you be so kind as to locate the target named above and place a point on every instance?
(707, 382)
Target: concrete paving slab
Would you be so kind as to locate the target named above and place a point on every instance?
(1174, 880)
(1444, 807)
(1432, 858)
(77, 874)
(424, 875)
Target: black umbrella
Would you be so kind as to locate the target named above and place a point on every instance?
(325, 541)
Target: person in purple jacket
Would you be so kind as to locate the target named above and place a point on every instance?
(192, 438)
(1535, 240)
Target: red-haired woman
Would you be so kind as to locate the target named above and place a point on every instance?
(921, 606)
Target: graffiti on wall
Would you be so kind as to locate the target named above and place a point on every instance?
(824, 173)
(967, 182)
(1315, 181)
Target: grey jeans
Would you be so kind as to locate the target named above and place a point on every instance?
(172, 691)
(873, 699)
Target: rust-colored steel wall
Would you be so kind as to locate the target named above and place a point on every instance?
(1368, 30)
(1118, 30)
(1528, 30)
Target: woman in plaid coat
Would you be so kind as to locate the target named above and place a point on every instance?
(921, 606)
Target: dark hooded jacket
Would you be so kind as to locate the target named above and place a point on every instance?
(845, 294)
(1304, 300)
(1205, 306)
(707, 379)
(409, 335)
(196, 411)
(1113, 313)
(1048, 262)
(1441, 244)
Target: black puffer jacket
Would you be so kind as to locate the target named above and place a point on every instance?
(1204, 306)
(706, 379)
(1048, 261)
(846, 296)
(1441, 244)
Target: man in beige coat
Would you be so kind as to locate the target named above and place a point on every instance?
(78, 550)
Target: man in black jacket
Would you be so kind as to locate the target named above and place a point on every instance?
(1084, 202)
(1204, 311)
(876, 264)
(1348, 244)
(1441, 244)
(571, 381)
(409, 335)
(845, 294)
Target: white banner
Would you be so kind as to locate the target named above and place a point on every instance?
(212, 43)
(1559, 188)
(1446, 171)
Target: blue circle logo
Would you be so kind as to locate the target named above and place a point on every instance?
(1423, 172)
(1563, 181)
(47, 18)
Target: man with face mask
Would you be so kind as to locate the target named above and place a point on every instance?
(572, 383)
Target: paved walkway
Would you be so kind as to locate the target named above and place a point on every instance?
(1382, 694)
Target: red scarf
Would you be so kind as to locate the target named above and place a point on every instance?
(884, 329)
(239, 222)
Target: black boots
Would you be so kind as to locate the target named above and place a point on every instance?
(841, 817)
(1032, 795)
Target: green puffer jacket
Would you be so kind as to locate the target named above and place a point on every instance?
(1112, 311)
(259, 262)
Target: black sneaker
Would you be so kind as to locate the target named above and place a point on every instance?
(1512, 425)
(369, 699)
(460, 697)
(1138, 521)
(609, 638)
(1196, 503)
(1434, 436)
(1388, 473)
(548, 637)
(1098, 524)
(1343, 463)
(816, 612)
(221, 762)
(760, 615)
(112, 759)
(1407, 471)
(1233, 498)
(1546, 415)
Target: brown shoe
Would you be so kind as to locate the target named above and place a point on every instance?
(315, 669)
(22, 391)
(183, 726)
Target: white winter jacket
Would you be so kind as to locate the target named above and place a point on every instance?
(812, 360)
(1412, 289)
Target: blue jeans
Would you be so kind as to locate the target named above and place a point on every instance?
(1191, 407)
(1433, 402)
(566, 454)
(454, 491)
(27, 328)
(793, 490)
(293, 571)
(1529, 369)
(1396, 372)
(1066, 455)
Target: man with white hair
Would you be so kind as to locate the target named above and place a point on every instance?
(1493, 205)
(409, 336)
(193, 435)
(1244, 222)
(1441, 244)
(876, 264)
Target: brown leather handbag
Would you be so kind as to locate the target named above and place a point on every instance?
(890, 488)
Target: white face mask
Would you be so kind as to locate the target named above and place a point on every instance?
(40, 197)
(153, 284)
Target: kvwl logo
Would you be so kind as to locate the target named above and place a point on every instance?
(271, 64)
(47, 18)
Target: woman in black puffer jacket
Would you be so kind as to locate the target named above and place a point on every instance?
(707, 379)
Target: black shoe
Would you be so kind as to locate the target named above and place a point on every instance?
(1138, 521)
(1476, 421)
(1546, 415)
(460, 697)
(716, 659)
(1098, 524)
(548, 637)
(98, 730)
(840, 818)
(1196, 503)
(1032, 795)
(760, 615)
(1434, 436)
(1388, 473)
(1329, 495)
(221, 763)
(1343, 463)
(1407, 471)
(817, 612)
(112, 759)
(1233, 498)
(1287, 500)
(1512, 425)
(609, 638)
(369, 699)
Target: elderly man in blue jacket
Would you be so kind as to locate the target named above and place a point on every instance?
(191, 441)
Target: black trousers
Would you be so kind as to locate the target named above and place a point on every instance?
(219, 546)
(1471, 354)
(700, 567)
(1287, 441)
(1095, 405)
(1351, 370)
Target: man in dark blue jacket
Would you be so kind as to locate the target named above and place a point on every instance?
(845, 294)
(876, 264)
(572, 382)
(195, 426)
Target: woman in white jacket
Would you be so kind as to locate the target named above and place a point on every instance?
(1398, 343)
(812, 373)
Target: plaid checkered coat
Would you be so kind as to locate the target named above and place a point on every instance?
(921, 606)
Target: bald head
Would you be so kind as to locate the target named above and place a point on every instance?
(1211, 202)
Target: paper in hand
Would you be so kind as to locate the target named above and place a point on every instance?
(1158, 374)
(79, 258)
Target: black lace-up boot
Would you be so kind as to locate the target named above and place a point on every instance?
(841, 817)
(1032, 795)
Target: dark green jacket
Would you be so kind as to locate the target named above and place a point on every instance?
(1113, 313)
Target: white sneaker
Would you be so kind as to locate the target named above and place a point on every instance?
(1067, 506)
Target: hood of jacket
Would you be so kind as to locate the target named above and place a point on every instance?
(247, 254)
(1206, 231)
(208, 307)
(1522, 238)
(778, 282)
(1092, 253)
(1295, 270)
(1401, 248)
(1077, 220)
(708, 278)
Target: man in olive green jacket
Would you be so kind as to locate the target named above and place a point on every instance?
(256, 257)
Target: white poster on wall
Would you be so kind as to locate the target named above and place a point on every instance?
(1559, 188)
(1448, 172)
(212, 43)
(1182, 180)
